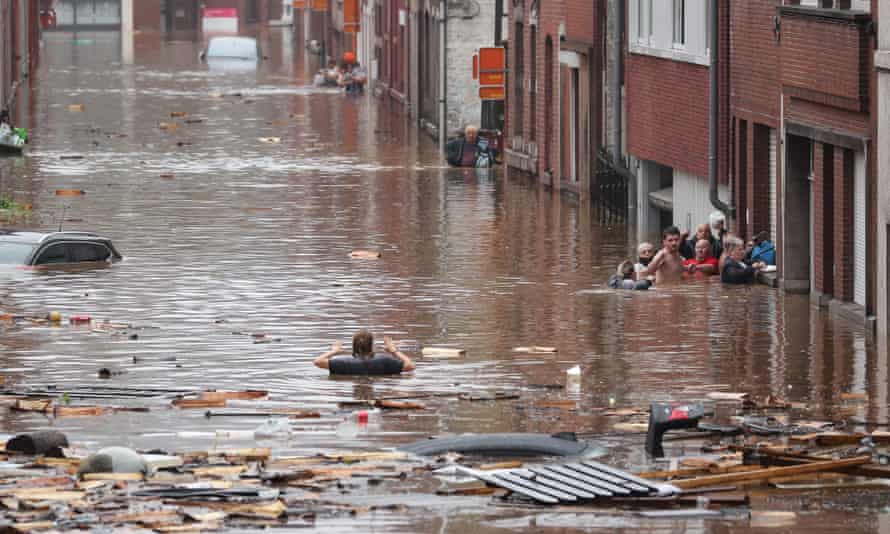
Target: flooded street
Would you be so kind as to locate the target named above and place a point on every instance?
(225, 236)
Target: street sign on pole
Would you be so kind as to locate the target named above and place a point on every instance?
(490, 65)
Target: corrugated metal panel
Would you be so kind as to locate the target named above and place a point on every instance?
(773, 193)
(567, 483)
(859, 230)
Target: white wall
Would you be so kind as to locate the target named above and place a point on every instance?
(692, 202)
(465, 37)
(661, 40)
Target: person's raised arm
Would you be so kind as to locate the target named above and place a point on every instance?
(390, 347)
(322, 361)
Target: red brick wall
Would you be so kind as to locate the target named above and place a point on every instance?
(667, 112)
(758, 178)
(823, 61)
(827, 117)
(549, 18)
(579, 21)
(147, 15)
(667, 109)
(843, 224)
(754, 56)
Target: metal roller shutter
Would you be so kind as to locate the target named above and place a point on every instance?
(773, 194)
(859, 230)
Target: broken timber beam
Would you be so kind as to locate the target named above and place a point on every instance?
(773, 472)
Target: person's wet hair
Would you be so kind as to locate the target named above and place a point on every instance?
(363, 343)
(670, 230)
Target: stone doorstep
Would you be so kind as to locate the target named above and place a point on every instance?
(768, 279)
(852, 312)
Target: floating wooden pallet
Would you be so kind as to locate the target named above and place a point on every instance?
(567, 483)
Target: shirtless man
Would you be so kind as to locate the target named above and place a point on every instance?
(667, 265)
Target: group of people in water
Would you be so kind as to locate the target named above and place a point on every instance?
(711, 251)
(348, 74)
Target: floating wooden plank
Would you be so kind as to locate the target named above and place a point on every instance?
(385, 404)
(70, 192)
(175, 114)
(234, 395)
(117, 477)
(33, 526)
(859, 397)
(692, 472)
(47, 494)
(76, 108)
(159, 516)
(561, 404)
(773, 472)
(353, 457)
(249, 455)
(639, 428)
(40, 482)
(219, 471)
(501, 465)
(35, 405)
(365, 254)
(535, 350)
(199, 403)
(726, 396)
(204, 526)
(443, 353)
(80, 411)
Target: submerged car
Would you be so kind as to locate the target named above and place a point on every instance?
(57, 248)
(243, 48)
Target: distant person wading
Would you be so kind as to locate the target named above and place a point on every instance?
(363, 360)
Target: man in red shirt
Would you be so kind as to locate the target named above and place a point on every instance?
(703, 262)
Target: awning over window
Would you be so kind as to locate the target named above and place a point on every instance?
(662, 199)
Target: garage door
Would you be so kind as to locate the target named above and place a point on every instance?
(773, 193)
(859, 230)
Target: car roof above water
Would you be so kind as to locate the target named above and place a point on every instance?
(232, 47)
(31, 237)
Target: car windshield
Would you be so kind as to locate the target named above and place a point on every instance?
(15, 253)
(232, 47)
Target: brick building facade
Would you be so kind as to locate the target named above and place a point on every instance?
(803, 152)
(398, 41)
(19, 52)
(796, 152)
(555, 99)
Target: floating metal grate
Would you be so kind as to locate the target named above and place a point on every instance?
(568, 483)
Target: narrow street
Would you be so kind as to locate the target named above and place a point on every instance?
(227, 232)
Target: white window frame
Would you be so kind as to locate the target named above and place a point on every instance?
(678, 11)
(660, 41)
(644, 22)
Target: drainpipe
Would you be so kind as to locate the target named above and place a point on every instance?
(443, 69)
(617, 76)
(713, 146)
(498, 21)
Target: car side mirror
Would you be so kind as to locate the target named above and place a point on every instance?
(203, 55)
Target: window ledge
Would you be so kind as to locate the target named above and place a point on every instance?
(882, 60)
(673, 54)
(850, 15)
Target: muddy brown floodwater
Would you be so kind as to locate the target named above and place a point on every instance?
(225, 236)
